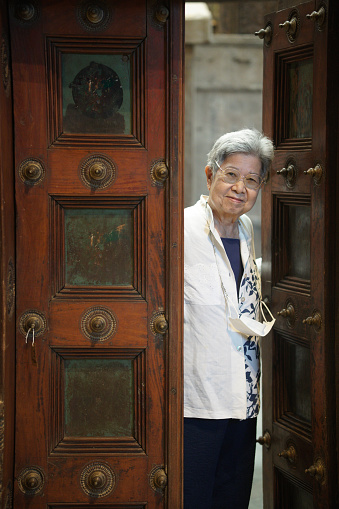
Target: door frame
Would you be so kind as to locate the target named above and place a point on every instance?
(174, 265)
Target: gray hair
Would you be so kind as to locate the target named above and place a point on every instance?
(246, 141)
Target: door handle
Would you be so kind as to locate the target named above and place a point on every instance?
(32, 323)
(288, 313)
(318, 17)
(314, 320)
(317, 470)
(316, 173)
(158, 323)
(265, 440)
(290, 454)
(289, 174)
(266, 34)
(290, 26)
(162, 14)
(158, 478)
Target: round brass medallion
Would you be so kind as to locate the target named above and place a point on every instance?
(159, 173)
(25, 12)
(97, 480)
(158, 323)
(97, 172)
(98, 324)
(31, 171)
(31, 480)
(94, 16)
(158, 14)
(158, 478)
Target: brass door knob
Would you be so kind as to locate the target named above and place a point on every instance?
(317, 470)
(316, 173)
(290, 454)
(290, 26)
(94, 14)
(265, 440)
(98, 323)
(314, 320)
(24, 11)
(318, 17)
(96, 480)
(160, 324)
(158, 478)
(289, 174)
(162, 14)
(289, 312)
(32, 320)
(286, 171)
(265, 33)
(31, 171)
(159, 173)
(97, 171)
(31, 480)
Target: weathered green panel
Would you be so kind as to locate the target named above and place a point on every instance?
(96, 94)
(298, 380)
(300, 77)
(299, 241)
(99, 396)
(98, 247)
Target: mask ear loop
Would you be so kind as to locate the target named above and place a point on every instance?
(258, 284)
(267, 309)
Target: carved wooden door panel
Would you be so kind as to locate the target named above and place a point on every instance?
(97, 112)
(300, 108)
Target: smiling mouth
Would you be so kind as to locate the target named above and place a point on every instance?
(233, 198)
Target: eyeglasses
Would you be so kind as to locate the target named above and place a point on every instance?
(232, 176)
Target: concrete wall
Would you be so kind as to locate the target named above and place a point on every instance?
(223, 90)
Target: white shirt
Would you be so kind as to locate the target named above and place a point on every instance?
(221, 365)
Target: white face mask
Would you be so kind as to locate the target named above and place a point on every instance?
(243, 323)
(251, 327)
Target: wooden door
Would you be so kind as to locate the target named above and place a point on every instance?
(299, 259)
(7, 270)
(97, 123)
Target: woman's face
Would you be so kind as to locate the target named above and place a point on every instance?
(230, 201)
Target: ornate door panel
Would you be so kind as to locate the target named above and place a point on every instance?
(300, 108)
(97, 104)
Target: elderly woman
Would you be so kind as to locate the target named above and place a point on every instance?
(222, 307)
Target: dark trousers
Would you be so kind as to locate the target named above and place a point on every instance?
(218, 463)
